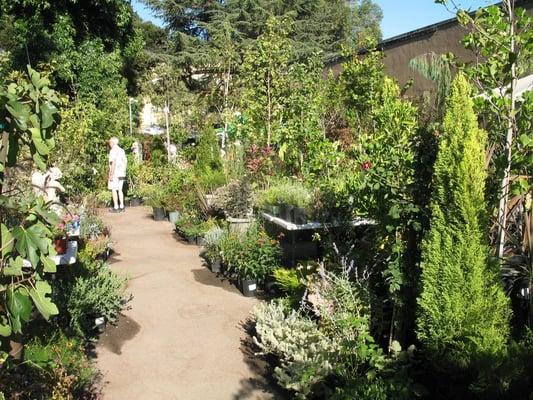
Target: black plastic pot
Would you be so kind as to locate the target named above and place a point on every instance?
(299, 216)
(191, 239)
(216, 266)
(135, 202)
(159, 213)
(248, 287)
(285, 212)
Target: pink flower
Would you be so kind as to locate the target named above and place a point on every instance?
(366, 165)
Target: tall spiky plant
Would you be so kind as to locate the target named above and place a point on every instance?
(463, 312)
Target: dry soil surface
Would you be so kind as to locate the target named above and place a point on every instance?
(182, 336)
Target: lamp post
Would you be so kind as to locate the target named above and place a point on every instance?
(167, 112)
(167, 115)
(131, 100)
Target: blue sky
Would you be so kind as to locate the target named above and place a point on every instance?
(399, 16)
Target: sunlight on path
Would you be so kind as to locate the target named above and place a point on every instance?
(182, 336)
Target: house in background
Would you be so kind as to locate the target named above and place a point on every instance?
(440, 38)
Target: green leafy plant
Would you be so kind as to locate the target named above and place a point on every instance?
(292, 193)
(55, 367)
(28, 111)
(97, 295)
(250, 255)
(213, 238)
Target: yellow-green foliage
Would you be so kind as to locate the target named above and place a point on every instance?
(463, 312)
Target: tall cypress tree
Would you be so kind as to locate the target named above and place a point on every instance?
(463, 311)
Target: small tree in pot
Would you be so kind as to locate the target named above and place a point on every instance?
(235, 201)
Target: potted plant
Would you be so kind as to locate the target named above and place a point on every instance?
(156, 199)
(235, 201)
(172, 206)
(60, 238)
(135, 199)
(288, 200)
(212, 238)
(134, 195)
(250, 257)
(188, 226)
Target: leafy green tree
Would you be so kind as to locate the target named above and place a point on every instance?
(281, 99)
(266, 80)
(29, 116)
(319, 25)
(463, 312)
(501, 37)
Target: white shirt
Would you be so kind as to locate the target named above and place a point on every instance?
(118, 156)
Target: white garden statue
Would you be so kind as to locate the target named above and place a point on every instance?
(47, 185)
(173, 153)
(137, 151)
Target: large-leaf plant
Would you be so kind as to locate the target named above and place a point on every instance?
(28, 116)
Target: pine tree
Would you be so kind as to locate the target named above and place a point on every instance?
(463, 312)
(318, 25)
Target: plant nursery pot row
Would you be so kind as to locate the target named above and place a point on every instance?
(295, 215)
(248, 287)
(196, 240)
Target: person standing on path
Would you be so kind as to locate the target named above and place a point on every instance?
(117, 174)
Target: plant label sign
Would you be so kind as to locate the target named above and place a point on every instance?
(252, 287)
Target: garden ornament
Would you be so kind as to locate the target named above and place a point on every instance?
(137, 151)
(47, 185)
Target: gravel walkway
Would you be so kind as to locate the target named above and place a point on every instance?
(182, 337)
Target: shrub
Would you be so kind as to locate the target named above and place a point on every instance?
(234, 199)
(464, 314)
(213, 238)
(190, 225)
(98, 295)
(303, 351)
(250, 255)
(55, 367)
(59, 351)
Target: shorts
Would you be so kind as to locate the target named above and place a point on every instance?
(116, 183)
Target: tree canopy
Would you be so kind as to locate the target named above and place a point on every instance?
(317, 26)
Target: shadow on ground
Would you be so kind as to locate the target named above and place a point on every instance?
(262, 369)
(115, 336)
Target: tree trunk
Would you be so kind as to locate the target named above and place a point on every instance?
(269, 110)
(511, 126)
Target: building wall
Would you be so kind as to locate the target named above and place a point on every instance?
(444, 39)
(440, 38)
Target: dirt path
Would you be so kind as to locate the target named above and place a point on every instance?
(182, 337)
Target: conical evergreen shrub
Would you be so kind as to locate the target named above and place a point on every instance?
(463, 314)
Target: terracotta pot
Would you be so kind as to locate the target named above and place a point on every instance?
(60, 245)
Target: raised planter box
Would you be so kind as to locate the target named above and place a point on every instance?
(297, 243)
